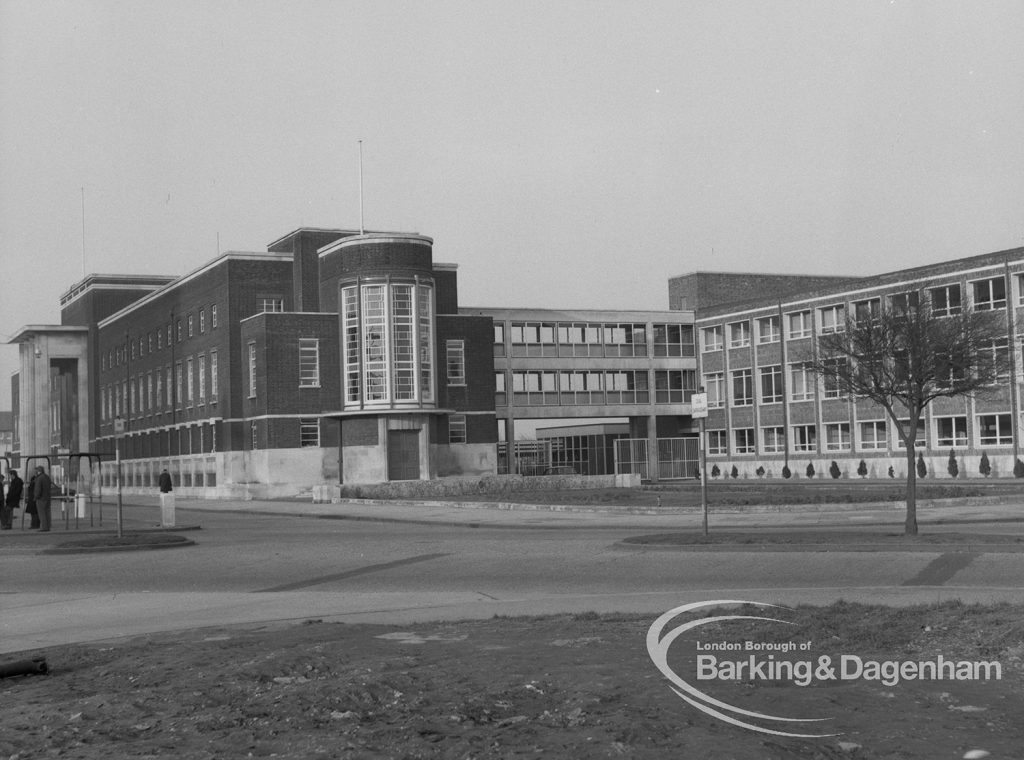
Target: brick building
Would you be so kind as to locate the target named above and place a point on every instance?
(767, 410)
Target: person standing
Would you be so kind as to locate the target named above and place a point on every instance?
(5, 515)
(166, 500)
(30, 503)
(41, 492)
(12, 499)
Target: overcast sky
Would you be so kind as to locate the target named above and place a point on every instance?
(564, 154)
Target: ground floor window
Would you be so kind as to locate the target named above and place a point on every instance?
(805, 437)
(457, 428)
(995, 430)
(309, 431)
(919, 442)
(744, 440)
(773, 440)
(718, 442)
(837, 436)
(872, 435)
(951, 431)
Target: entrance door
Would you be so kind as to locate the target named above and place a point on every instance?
(403, 455)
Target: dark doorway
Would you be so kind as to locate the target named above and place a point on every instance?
(403, 455)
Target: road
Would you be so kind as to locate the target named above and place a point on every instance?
(254, 567)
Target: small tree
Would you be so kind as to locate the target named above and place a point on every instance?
(892, 472)
(904, 355)
(786, 472)
(810, 469)
(922, 468)
(715, 472)
(985, 467)
(834, 471)
(862, 469)
(760, 471)
(735, 473)
(952, 467)
(1018, 469)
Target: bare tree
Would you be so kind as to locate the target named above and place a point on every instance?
(905, 354)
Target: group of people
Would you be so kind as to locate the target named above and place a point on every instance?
(37, 499)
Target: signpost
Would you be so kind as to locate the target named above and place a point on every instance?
(118, 433)
(699, 411)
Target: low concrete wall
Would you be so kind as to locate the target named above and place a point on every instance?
(490, 484)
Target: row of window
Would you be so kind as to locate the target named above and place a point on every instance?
(589, 387)
(594, 339)
(802, 382)
(309, 364)
(309, 433)
(872, 435)
(154, 341)
(946, 300)
(159, 390)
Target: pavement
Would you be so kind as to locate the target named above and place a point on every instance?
(33, 622)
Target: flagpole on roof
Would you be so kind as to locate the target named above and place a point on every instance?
(361, 228)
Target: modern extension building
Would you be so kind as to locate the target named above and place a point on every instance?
(332, 357)
(768, 411)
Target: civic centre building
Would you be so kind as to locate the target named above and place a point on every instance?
(343, 357)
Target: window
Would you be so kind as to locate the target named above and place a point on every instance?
(159, 340)
(202, 321)
(132, 408)
(403, 343)
(999, 349)
(739, 334)
(533, 339)
(951, 431)
(190, 325)
(712, 338)
(580, 387)
(579, 339)
(989, 294)
(771, 384)
(714, 386)
(499, 338)
(903, 303)
(189, 381)
(170, 388)
(178, 386)
(149, 391)
(744, 438)
(801, 382)
(837, 436)
(179, 330)
(539, 387)
(805, 438)
(718, 442)
(202, 379)
(159, 389)
(773, 440)
(269, 304)
(309, 431)
(919, 442)
(945, 300)
(254, 437)
(674, 386)
(252, 370)
(500, 397)
(768, 330)
(213, 375)
(833, 319)
(872, 435)
(631, 386)
(456, 353)
(149, 342)
(799, 324)
(995, 430)
(213, 316)
(309, 362)
(625, 340)
(742, 388)
(673, 340)
(457, 428)
(865, 311)
(832, 382)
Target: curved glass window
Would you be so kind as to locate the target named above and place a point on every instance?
(387, 330)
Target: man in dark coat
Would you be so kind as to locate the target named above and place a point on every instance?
(11, 501)
(41, 492)
(165, 482)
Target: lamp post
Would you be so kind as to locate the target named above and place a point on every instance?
(699, 410)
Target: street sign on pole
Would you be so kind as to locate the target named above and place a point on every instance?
(699, 405)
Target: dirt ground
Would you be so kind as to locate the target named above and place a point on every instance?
(568, 687)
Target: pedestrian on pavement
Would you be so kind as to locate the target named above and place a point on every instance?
(165, 482)
(12, 500)
(30, 504)
(41, 493)
(4, 519)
